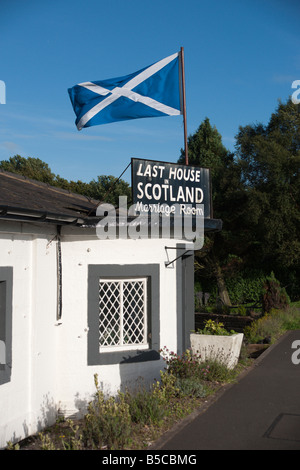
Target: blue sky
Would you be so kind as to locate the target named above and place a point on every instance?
(241, 56)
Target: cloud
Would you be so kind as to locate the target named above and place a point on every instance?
(11, 147)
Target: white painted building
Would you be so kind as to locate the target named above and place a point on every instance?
(72, 305)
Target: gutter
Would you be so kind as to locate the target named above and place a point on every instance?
(31, 215)
(210, 225)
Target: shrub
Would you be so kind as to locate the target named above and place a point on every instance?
(225, 309)
(265, 329)
(146, 406)
(219, 372)
(168, 385)
(214, 328)
(73, 439)
(274, 296)
(245, 287)
(241, 310)
(190, 387)
(272, 325)
(186, 365)
(290, 319)
(107, 422)
(193, 376)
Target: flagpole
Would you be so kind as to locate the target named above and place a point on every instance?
(184, 107)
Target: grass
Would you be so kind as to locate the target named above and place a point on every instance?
(273, 325)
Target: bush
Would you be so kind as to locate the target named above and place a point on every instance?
(186, 365)
(188, 370)
(219, 372)
(290, 319)
(245, 287)
(214, 328)
(108, 421)
(241, 310)
(190, 387)
(274, 296)
(272, 325)
(265, 329)
(146, 406)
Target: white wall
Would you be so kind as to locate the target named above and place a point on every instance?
(49, 360)
(28, 399)
(76, 378)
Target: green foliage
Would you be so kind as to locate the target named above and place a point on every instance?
(11, 446)
(245, 286)
(167, 387)
(191, 386)
(32, 168)
(147, 406)
(256, 193)
(242, 311)
(212, 327)
(207, 150)
(290, 319)
(195, 376)
(272, 325)
(46, 442)
(74, 439)
(109, 189)
(219, 372)
(274, 296)
(108, 421)
(104, 188)
(185, 365)
(269, 158)
(118, 422)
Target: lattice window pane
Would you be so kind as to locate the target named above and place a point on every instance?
(122, 313)
(109, 313)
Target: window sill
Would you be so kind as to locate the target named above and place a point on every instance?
(127, 357)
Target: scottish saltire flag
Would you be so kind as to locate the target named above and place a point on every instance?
(151, 92)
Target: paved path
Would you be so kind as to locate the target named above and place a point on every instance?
(261, 411)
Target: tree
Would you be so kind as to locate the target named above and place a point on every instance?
(256, 193)
(109, 188)
(32, 168)
(269, 158)
(104, 188)
(206, 149)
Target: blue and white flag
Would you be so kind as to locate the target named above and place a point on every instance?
(151, 92)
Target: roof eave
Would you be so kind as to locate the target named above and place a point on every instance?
(31, 215)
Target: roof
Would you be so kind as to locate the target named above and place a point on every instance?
(28, 200)
(21, 198)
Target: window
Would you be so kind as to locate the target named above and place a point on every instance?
(123, 313)
(5, 323)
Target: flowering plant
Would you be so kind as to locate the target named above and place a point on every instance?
(186, 365)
